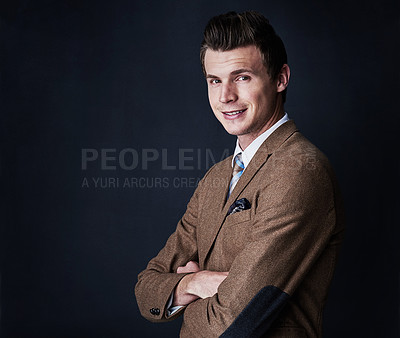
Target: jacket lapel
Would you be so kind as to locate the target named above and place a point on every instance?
(216, 206)
(212, 207)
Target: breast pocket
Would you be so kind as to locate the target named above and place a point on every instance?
(238, 217)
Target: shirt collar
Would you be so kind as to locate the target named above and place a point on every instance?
(250, 151)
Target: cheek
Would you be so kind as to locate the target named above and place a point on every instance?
(214, 105)
(255, 102)
(251, 95)
(259, 101)
(212, 99)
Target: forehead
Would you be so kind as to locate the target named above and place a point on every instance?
(248, 57)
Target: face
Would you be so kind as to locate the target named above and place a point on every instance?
(241, 93)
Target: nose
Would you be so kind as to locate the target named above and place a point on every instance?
(228, 93)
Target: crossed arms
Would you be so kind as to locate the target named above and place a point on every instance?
(291, 228)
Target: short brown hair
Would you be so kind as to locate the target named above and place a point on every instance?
(233, 30)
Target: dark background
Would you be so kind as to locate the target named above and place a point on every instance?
(125, 74)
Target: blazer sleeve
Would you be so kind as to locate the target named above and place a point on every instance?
(294, 221)
(157, 282)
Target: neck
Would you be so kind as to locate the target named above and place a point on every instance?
(246, 139)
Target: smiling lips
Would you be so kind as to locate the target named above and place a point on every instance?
(233, 114)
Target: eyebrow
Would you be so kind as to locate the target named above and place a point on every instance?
(235, 72)
(242, 70)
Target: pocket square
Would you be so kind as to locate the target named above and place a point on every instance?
(239, 205)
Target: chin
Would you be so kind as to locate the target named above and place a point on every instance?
(230, 130)
(235, 131)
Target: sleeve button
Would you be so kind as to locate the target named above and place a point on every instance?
(155, 311)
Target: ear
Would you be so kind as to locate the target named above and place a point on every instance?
(283, 78)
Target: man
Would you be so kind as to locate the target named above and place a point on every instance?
(255, 251)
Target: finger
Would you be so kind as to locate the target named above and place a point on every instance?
(193, 266)
(195, 263)
(186, 269)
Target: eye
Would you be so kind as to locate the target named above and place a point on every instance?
(215, 81)
(243, 78)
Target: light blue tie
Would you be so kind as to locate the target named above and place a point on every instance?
(237, 172)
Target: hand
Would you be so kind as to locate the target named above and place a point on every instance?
(181, 297)
(190, 266)
(205, 283)
(199, 284)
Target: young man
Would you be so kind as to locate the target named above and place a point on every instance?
(255, 251)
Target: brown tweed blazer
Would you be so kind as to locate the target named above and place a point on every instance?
(280, 253)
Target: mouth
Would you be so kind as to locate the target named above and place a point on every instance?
(233, 113)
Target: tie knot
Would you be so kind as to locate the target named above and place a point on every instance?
(238, 166)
